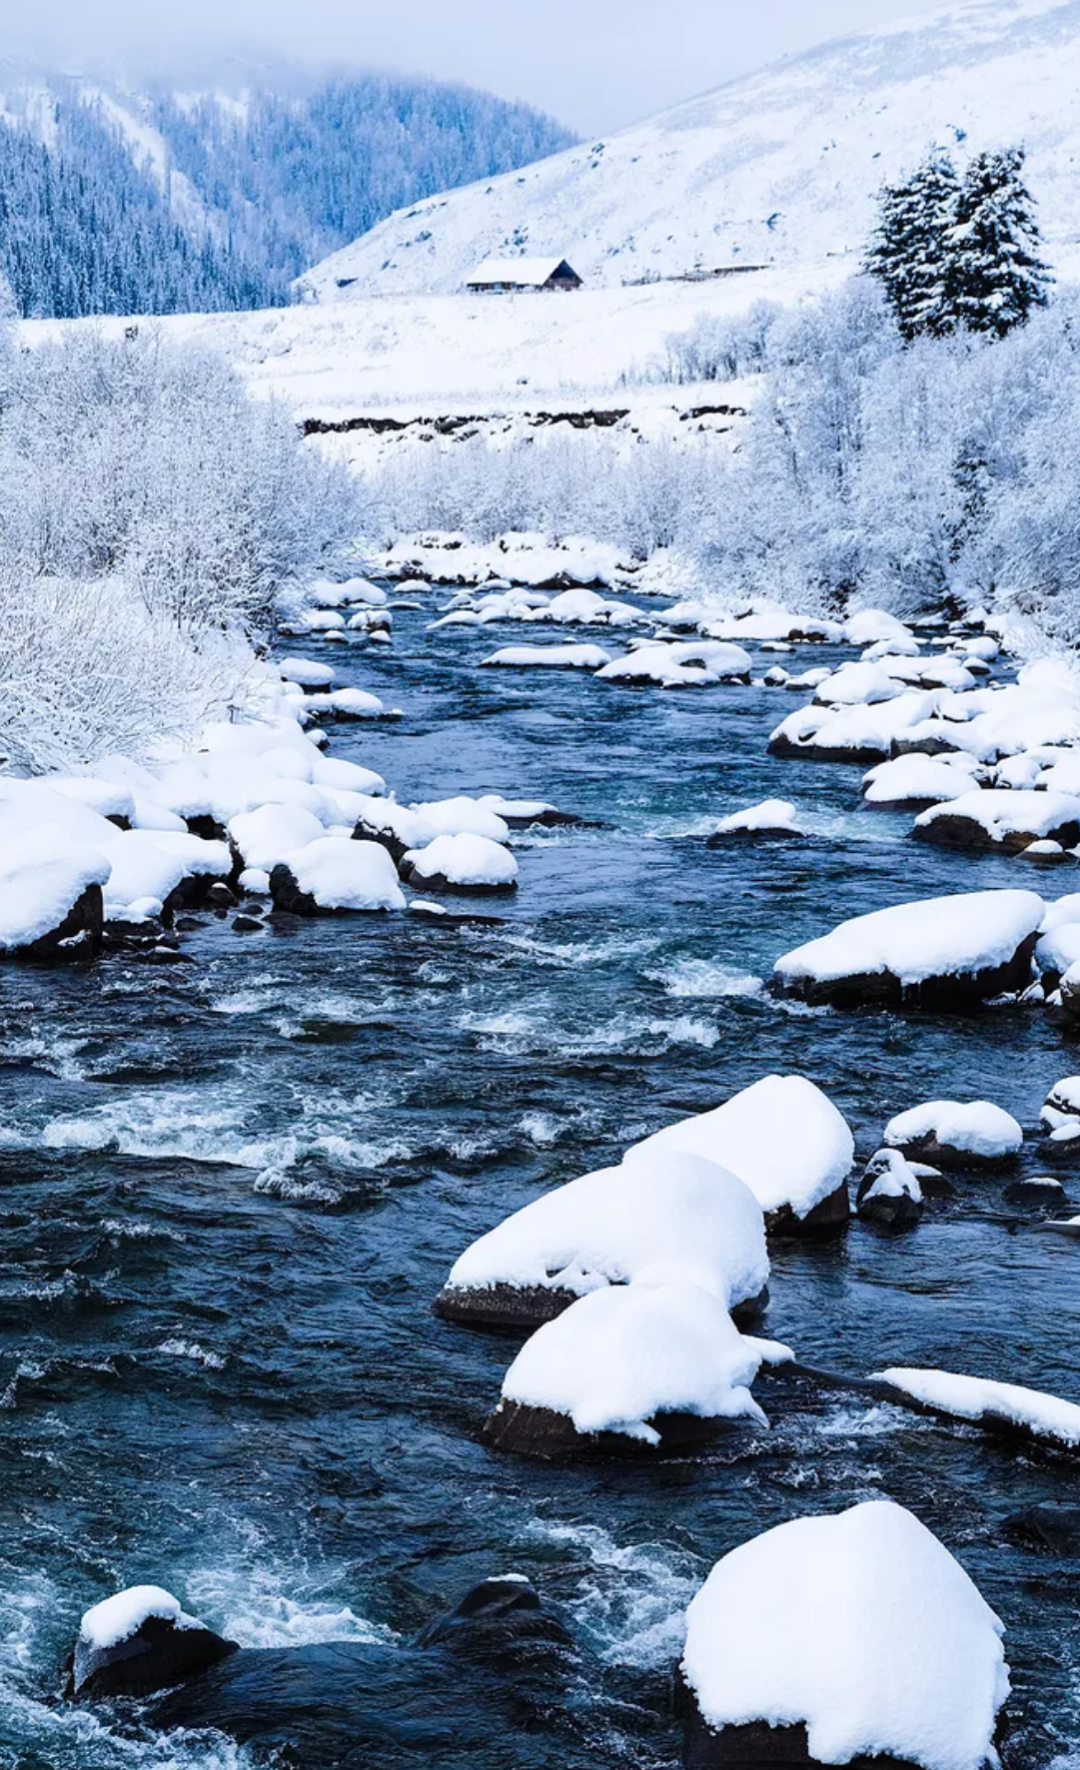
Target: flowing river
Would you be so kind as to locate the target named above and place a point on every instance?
(231, 1187)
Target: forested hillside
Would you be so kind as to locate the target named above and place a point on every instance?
(164, 203)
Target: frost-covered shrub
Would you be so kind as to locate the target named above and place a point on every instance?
(137, 455)
(721, 347)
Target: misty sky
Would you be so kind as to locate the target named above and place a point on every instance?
(594, 63)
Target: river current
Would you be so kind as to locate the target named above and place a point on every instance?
(230, 1189)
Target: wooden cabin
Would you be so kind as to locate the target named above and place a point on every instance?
(509, 276)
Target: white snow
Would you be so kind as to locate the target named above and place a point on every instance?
(463, 817)
(978, 1398)
(857, 684)
(43, 873)
(1002, 813)
(686, 664)
(977, 1128)
(620, 1356)
(663, 1217)
(894, 1177)
(933, 937)
(782, 1136)
(860, 1625)
(771, 814)
(916, 777)
(858, 728)
(463, 860)
(264, 837)
(306, 673)
(345, 875)
(117, 1618)
(552, 657)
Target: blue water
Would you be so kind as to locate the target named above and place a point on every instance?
(230, 1189)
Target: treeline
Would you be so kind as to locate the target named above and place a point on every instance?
(252, 194)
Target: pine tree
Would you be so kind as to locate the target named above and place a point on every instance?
(908, 252)
(996, 275)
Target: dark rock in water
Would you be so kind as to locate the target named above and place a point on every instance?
(830, 1217)
(1056, 1528)
(956, 830)
(522, 1308)
(248, 925)
(808, 751)
(947, 1155)
(287, 895)
(221, 895)
(207, 827)
(384, 835)
(541, 1432)
(890, 1194)
(753, 1746)
(952, 993)
(78, 936)
(496, 1615)
(439, 882)
(742, 838)
(158, 1655)
(494, 1668)
(1039, 1191)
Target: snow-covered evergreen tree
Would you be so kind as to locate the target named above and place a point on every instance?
(995, 274)
(909, 253)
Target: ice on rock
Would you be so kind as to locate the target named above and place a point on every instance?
(552, 657)
(860, 1627)
(468, 861)
(339, 874)
(951, 950)
(915, 779)
(949, 1131)
(663, 1217)
(1032, 1411)
(619, 1358)
(1005, 819)
(783, 1137)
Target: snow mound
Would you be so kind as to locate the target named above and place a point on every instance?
(978, 1398)
(345, 875)
(862, 1627)
(266, 836)
(306, 673)
(43, 874)
(463, 860)
(664, 1217)
(552, 657)
(117, 1618)
(857, 684)
(968, 934)
(1012, 819)
(463, 817)
(908, 779)
(618, 1357)
(857, 734)
(783, 1137)
(979, 1129)
(686, 664)
(771, 814)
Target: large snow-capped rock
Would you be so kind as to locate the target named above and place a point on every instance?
(952, 1134)
(784, 1138)
(842, 1638)
(780, 167)
(642, 1365)
(140, 1641)
(940, 952)
(997, 819)
(662, 1217)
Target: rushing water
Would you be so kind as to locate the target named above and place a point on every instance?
(230, 1189)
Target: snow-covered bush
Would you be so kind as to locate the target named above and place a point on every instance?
(150, 513)
(720, 347)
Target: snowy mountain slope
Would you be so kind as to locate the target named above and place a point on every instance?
(781, 167)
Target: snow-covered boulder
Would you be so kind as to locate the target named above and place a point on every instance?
(951, 1135)
(395, 826)
(51, 903)
(461, 863)
(629, 1368)
(306, 673)
(861, 733)
(521, 814)
(764, 621)
(785, 1140)
(346, 703)
(838, 1640)
(263, 838)
(663, 1217)
(1061, 1111)
(334, 875)
(890, 1192)
(1002, 1407)
(856, 685)
(918, 780)
(773, 819)
(875, 626)
(550, 657)
(940, 953)
(686, 664)
(996, 819)
(140, 1641)
(463, 817)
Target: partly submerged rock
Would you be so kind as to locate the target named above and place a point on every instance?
(334, 875)
(1054, 1528)
(140, 1641)
(951, 1134)
(890, 1193)
(943, 953)
(854, 1639)
(629, 1369)
(1004, 820)
(461, 863)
